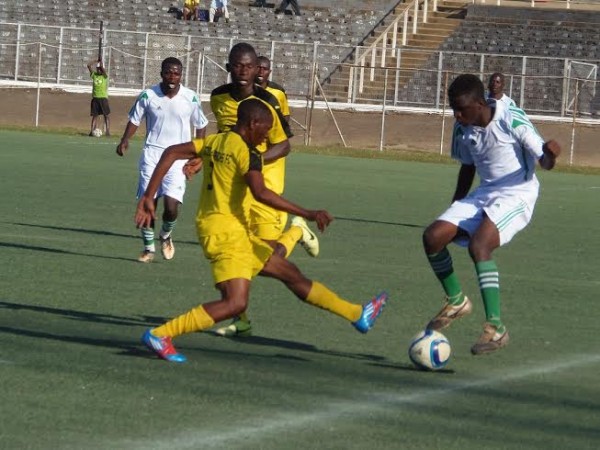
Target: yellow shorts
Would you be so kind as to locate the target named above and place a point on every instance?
(235, 255)
(267, 223)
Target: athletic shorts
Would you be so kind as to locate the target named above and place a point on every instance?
(99, 107)
(174, 182)
(267, 223)
(509, 209)
(235, 254)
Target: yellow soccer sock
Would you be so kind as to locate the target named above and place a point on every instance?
(322, 297)
(196, 319)
(289, 239)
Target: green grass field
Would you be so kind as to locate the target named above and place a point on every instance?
(74, 303)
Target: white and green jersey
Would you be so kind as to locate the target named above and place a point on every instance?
(504, 152)
(168, 120)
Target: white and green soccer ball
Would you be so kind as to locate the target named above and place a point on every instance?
(97, 132)
(429, 350)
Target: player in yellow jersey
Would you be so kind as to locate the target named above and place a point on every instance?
(233, 180)
(267, 223)
(262, 79)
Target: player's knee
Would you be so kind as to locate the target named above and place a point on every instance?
(432, 238)
(237, 305)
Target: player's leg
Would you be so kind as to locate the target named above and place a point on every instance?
(146, 167)
(173, 189)
(436, 238)
(499, 225)
(94, 114)
(361, 316)
(169, 220)
(234, 299)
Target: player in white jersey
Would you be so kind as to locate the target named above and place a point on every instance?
(170, 110)
(500, 144)
(496, 85)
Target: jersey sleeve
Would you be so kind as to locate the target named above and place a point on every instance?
(276, 133)
(459, 150)
(138, 110)
(525, 132)
(198, 118)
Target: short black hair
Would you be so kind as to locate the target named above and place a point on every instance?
(263, 59)
(466, 84)
(170, 61)
(496, 74)
(239, 49)
(252, 108)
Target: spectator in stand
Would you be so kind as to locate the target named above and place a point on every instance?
(218, 8)
(99, 103)
(284, 4)
(262, 79)
(496, 89)
(191, 9)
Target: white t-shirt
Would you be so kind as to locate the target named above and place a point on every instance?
(505, 99)
(168, 120)
(505, 152)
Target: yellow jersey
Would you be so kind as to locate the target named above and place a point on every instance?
(225, 197)
(279, 92)
(224, 106)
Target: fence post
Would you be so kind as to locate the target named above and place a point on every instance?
(439, 80)
(574, 122)
(18, 52)
(443, 114)
(382, 133)
(60, 52)
(145, 62)
(39, 80)
(565, 90)
(523, 73)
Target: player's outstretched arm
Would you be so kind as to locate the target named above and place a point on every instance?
(551, 151)
(263, 194)
(130, 130)
(145, 209)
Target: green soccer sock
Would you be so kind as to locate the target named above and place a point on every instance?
(489, 285)
(441, 263)
(167, 228)
(148, 238)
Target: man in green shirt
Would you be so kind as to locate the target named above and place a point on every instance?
(99, 96)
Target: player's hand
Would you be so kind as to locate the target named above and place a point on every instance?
(122, 147)
(552, 147)
(551, 151)
(321, 217)
(192, 167)
(144, 214)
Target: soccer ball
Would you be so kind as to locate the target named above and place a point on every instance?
(97, 132)
(429, 350)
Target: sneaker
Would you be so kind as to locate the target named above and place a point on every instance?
(146, 257)
(490, 340)
(237, 328)
(163, 347)
(167, 248)
(309, 240)
(449, 313)
(370, 312)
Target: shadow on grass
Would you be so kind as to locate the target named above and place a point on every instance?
(87, 231)
(130, 350)
(38, 248)
(294, 345)
(380, 222)
(85, 316)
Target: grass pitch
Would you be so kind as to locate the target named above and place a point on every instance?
(74, 303)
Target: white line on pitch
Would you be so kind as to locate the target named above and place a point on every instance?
(254, 430)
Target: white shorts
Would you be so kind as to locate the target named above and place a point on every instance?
(173, 184)
(510, 209)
